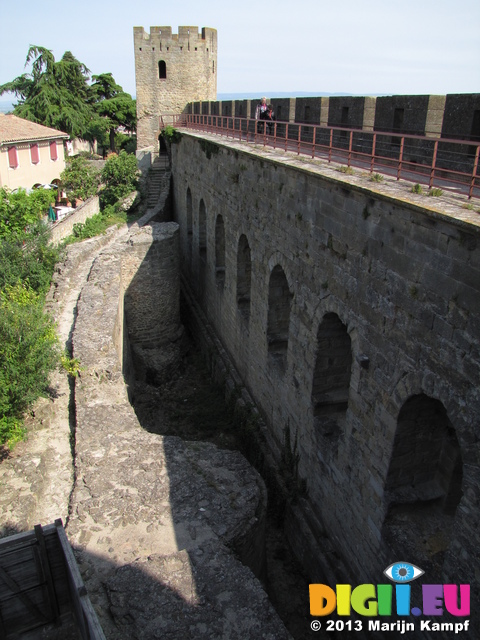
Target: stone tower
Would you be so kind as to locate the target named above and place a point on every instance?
(171, 70)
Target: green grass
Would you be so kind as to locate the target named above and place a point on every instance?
(97, 225)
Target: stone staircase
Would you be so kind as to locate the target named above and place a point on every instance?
(158, 181)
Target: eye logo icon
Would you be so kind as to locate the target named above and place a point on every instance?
(403, 572)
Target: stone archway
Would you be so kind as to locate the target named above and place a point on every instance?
(424, 482)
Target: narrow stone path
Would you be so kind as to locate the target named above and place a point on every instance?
(36, 479)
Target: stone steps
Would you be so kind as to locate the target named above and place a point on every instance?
(158, 182)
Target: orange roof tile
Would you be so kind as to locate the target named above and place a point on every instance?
(14, 129)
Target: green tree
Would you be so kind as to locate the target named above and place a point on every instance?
(120, 177)
(79, 178)
(113, 105)
(55, 94)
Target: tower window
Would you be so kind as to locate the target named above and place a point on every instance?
(162, 70)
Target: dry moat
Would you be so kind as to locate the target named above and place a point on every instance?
(192, 406)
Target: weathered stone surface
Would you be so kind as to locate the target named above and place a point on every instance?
(208, 594)
(400, 273)
(143, 503)
(157, 523)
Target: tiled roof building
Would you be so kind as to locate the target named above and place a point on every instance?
(30, 153)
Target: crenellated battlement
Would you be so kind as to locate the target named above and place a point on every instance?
(206, 36)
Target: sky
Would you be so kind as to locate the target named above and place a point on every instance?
(359, 47)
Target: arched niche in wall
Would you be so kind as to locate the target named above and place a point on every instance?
(201, 272)
(278, 322)
(189, 223)
(244, 277)
(424, 482)
(202, 231)
(220, 251)
(162, 70)
(331, 378)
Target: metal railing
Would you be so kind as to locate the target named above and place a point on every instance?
(436, 162)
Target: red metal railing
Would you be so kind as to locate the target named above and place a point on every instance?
(436, 162)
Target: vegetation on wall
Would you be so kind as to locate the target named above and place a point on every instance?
(170, 134)
(209, 148)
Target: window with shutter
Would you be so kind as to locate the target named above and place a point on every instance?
(53, 151)
(34, 153)
(12, 157)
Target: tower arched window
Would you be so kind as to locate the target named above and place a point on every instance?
(162, 70)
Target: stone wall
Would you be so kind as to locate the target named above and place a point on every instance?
(64, 228)
(150, 279)
(380, 296)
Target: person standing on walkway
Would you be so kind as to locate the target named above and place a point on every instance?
(260, 113)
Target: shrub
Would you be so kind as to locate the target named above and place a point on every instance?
(28, 257)
(28, 353)
(20, 210)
